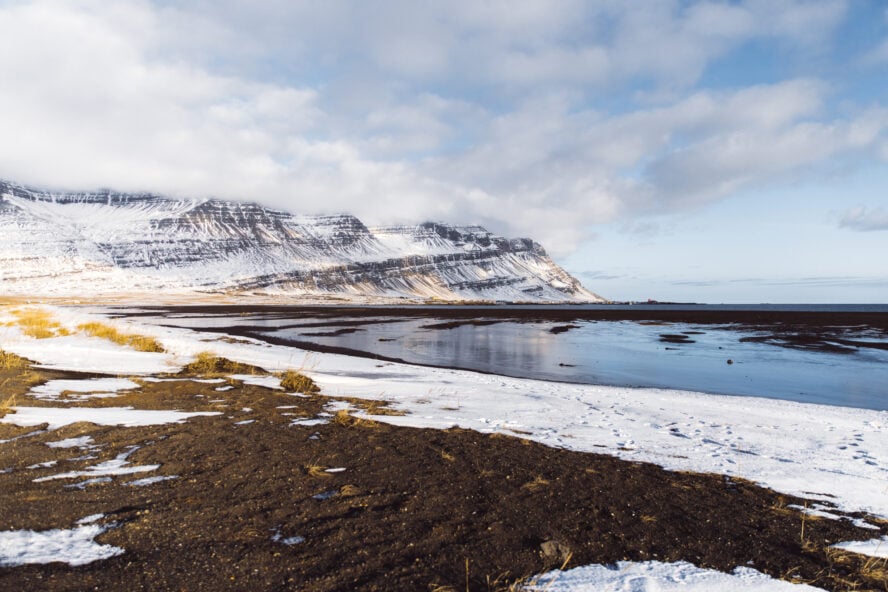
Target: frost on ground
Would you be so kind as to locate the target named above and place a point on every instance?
(75, 546)
(653, 576)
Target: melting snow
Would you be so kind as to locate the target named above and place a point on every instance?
(95, 387)
(150, 480)
(116, 466)
(80, 442)
(75, 546)
(57, 417)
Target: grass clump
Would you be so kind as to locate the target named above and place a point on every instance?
(10, 361)
(317, 471)
(141, 343)
(210, 365)
(345, 419)
(7, 406)
(39, 324)
(296, 382)
(538, 483)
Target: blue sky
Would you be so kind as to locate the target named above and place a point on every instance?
(708, 151)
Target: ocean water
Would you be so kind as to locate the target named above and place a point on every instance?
(708, 358)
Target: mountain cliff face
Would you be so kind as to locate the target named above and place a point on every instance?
(80, 244)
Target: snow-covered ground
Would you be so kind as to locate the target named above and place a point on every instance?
(833, 454)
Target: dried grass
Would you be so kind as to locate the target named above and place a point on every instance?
(317, 471)
(345, 419)
(10, 361)
(141, 343)
(294, 381)
(538, 483)
(7, 406)
(38, 323)
(209, 365)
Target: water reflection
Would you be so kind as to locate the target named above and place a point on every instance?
(627, 353)
(621, 353)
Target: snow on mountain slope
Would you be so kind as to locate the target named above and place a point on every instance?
(78, 244)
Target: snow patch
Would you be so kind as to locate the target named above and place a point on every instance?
(95, 387)
(79, 442)
(116, 466)
(872, 547)
(74, 547)
(654, 576)
(150, 480)
(57, 417)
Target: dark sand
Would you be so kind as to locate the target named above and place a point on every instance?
(415, 509)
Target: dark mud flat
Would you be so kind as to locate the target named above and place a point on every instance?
(253, 506)
(836, 332)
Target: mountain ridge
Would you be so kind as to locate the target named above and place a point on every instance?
(86, 243)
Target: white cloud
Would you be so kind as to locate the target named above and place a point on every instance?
(865, 219)
(490, 112)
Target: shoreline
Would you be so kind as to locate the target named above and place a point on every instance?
(809, 333)
(408, 401)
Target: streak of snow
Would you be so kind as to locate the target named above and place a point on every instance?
(150, 480)
(57, 417)
(115, 466)
(53, 389)
(79, 442)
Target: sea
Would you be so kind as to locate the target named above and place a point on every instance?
(725, 358)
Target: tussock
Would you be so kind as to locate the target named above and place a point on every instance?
(7, 406)
(10, 361)
(294, 381)
(39, 323)
(209, 365)
(141, 343)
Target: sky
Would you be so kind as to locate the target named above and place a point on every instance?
(706, 151)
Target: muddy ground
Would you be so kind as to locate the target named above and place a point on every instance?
(252, 506)
(835, 332)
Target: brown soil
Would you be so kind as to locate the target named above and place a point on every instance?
(414, 509)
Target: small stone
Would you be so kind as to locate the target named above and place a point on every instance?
(555, 552)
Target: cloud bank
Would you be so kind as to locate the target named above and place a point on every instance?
(534, 118)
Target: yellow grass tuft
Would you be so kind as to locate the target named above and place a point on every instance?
(296, 382)
(38, 323)
(7, 406)
(209, 365)
(538, 483)
(317, 471)
(138, 342)
(10, 361)
(374, 407)
(345, 419)
(349, 491)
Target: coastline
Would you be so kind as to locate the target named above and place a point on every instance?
(588, 419)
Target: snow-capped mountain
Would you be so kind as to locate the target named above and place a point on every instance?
(79, 244)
